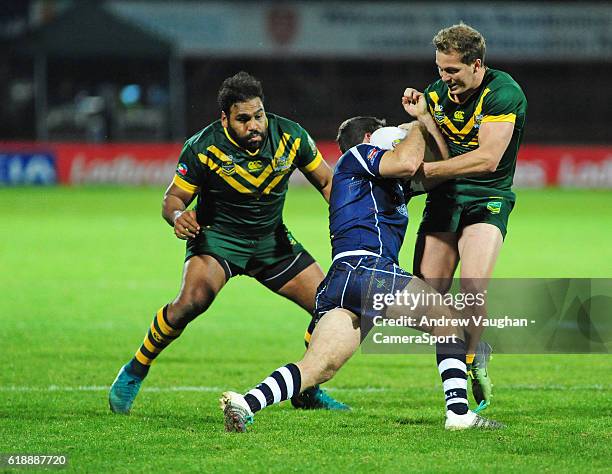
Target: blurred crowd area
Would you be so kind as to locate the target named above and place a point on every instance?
(111, 88)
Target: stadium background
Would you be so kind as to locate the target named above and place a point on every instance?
(95, 100)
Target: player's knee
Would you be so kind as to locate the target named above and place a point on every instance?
(189, 305)
(474, 286)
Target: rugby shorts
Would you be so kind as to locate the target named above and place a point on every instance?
(451, 213)
(352, 282)
(272, 259)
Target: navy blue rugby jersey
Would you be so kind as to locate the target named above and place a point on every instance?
(367, 213)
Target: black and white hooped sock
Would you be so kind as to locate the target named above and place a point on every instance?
(283, 384)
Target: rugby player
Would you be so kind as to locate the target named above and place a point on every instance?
(481, 113)
(368, 220)
(239, 168)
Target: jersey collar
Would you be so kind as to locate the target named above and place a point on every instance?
(250, 153)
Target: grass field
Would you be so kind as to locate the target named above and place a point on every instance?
(84, 270)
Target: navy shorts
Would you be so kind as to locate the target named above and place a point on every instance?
(352, 281)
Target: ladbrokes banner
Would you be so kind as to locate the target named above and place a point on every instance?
(153, 164)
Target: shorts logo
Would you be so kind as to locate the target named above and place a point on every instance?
(255, 165)
(494, 207)
(181, 169)
(459, 116)
(290, 238)
(372, 155)
(380, 283)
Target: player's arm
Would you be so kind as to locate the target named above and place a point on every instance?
(321, 178)
(177, 198)
(493, 138)
(415, 104)
(311, 163)
(406, 158)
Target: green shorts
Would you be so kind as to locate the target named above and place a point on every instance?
(272, 259)
(451, 213)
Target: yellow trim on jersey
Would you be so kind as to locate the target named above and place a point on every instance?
(280, 151)
(217, 169)
(251, 153)
(184, 185)
(307, 337)
(500, 118)
(469, 126)
(255, 181)
(314, 164)
(290, 158)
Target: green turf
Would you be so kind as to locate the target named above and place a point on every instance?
(83, 271)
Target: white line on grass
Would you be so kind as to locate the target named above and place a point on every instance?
(104, 388)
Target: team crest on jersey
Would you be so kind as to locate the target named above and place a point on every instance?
(459, 116)
(402, 210)
(494, 207)
(181, 169)
(372, 155)
(255, 165)
(439, 113)
(228, 168)
(477, 121)
(281, 165)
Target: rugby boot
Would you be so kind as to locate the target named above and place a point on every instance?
(123, 391)
(315, 398)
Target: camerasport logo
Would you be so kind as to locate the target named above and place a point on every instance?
(181, 169)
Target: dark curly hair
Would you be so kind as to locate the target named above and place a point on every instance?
(238, 88)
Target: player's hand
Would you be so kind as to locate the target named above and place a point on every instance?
(414, 103)
(185, 225)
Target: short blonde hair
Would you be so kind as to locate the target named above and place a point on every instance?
(462, 39)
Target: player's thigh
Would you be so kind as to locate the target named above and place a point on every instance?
(435, 258)
(479, 247)
(203, 278)
(302, 288)
(334, 340)
(284, 266)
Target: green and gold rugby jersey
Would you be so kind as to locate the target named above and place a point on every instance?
(242, 192)
(498, 99)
